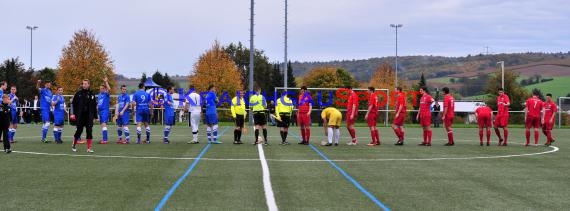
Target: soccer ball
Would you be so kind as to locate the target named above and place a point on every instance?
(324, 143)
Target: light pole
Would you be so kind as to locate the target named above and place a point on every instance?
(31, 28)
(502, 74)
(285, 69)
(396, 26)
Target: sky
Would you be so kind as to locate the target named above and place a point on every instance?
(170, 35)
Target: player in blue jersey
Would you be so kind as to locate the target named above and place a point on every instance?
(45, 107)
(141, 101)
(212, 115)
(168, 113)
(103, 108)
(58, 103)
(123, 114)
(14, 114)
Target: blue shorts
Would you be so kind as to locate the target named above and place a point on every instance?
(45, 115)
(169, 120)
(14, 119)
(104, 116)
(143, 116)
(124, 120)
(58, 119)
(211, 119)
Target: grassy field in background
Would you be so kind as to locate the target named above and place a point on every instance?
(467, 176)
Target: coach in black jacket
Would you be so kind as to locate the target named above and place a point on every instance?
(84, 111)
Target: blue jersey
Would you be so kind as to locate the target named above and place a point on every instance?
(142, 99)
(124, 101)
(168, 109)
(59, 101)
(103, 101)
(13, 103)
(45, 98)
(211, 101)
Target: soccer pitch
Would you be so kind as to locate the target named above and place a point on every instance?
(466, 176)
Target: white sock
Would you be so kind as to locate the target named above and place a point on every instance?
(336, 135)
(330, 135)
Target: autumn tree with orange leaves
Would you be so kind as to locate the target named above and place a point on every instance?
(84, 57)
(383, 77)
(215, 67)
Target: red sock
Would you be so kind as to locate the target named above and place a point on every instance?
(373, 136)
(352, 134)
(548, 136)
(75, 142)
(488, 136)
(430, 133)
(308, 134)
(425, 137)
(397, 132)
(481, 136)
(377, 135)
(527, 135)
(450, 137)
(303, 134)
(506, 131)
(498, 133)
(401, 134)
(89, 142)
(536, 137)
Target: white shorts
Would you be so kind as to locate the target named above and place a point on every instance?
(194, 122)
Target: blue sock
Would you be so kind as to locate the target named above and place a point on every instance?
(55, 134)
(104, 135)
(166, 132)
(138, 135)
(209, 134)
(10, 134)
(127, 135)
(59, 132)
(120, 132)
(13, 134)
(44, 132)
(215, 135)
(148, 134)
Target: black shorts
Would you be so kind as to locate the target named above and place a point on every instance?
(285, 120)
(239, 121)
(259, 118)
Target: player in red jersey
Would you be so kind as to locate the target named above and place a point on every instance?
(351, 115)
(549, 111)
(398, 124)
(502, 118)
(424, 116)
(532, 117)
(371, 116)
(448, 115)
(304, 115)
(484, 114)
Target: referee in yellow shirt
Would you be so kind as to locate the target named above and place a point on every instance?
(331, 123)
(257, 104)
(238, 113)
(283, 112)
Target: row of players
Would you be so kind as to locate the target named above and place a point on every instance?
(331, 116)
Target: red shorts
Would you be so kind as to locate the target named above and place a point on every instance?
(532, 122)
(448, 121)
(372, 120)
(548, 126)
(502, 121)
(303, 119)
(425, 120)
(400, 120)
(484, 121)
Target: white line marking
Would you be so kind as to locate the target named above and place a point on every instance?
(269, 197)
(553, 149)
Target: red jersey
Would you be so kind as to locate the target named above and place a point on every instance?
(352, 102)
(425, 104)
(533, 106)
(502, 108)
(483, 111)
(401, 101)
(550, 109)
(305, 101)
(449, 104)
(373, 100)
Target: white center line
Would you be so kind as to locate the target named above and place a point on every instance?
(269, 197)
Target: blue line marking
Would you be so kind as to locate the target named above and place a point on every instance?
(348, 177)
(188, 171)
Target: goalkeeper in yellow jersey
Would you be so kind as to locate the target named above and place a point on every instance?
(331, 123)
(238, 113)
(283, 113)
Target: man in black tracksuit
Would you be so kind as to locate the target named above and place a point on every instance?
(5, 115)
(84, 111)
